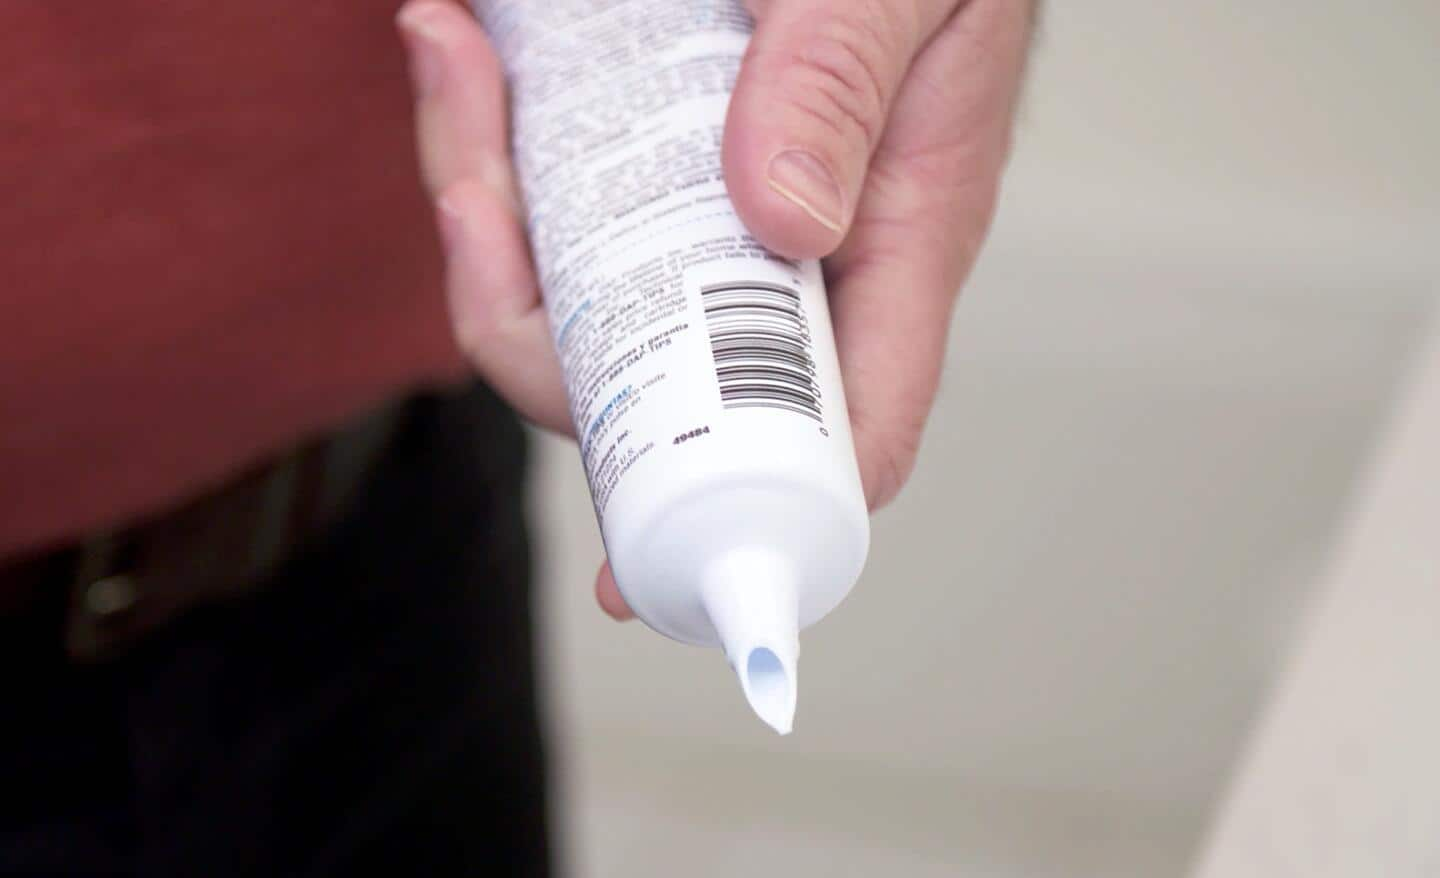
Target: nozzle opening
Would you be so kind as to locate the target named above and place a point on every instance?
(767, 687)
(750, 597)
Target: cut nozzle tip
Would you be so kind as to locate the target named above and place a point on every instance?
(770, 688)
(750, 598)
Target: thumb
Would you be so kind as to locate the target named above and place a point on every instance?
(809, 108)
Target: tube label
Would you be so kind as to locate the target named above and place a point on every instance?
(670, 319)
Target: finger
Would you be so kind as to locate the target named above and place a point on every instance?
(607, 593)
(810, 105)
(462, 141)
(925, 211)
(495, 304)
(461, 120)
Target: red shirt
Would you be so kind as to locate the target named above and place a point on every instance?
(214, 244)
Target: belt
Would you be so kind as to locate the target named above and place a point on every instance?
(125, 583)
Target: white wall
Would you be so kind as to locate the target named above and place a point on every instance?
(1210, 265)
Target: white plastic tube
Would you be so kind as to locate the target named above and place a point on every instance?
(701, 368)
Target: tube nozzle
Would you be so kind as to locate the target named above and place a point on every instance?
(750, 597)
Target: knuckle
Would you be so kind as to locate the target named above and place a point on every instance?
(848, 69)
(888, 440)
(902, 450)
(895, 463)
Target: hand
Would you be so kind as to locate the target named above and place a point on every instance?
(869, 132)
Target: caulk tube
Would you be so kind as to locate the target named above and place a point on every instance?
(700, 367)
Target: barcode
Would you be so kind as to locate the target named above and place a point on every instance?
(761, 343)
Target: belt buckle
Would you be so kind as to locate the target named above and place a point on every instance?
(101, 599)
(127, 584)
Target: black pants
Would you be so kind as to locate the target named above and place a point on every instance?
(371, 709)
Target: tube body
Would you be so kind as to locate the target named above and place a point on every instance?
(700, 367)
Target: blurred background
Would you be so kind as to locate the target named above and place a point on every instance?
(1214, 258)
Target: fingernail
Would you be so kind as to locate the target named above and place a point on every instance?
(805, 181)
(420, 29)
